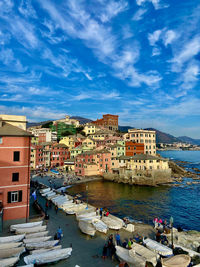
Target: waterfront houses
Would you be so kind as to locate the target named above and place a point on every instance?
(15, 145)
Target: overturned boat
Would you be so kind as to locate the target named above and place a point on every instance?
(11, 245)
(37, 239)
(40, 234)
(124, 255)
(14, 227)
(48, 257)
(157, 247)
(45, 244)
(11, 252)
(12, 238)
(36, 251)
(28, 230)
(100, 226)
(9, 262)
(113, 222)
(86, 227)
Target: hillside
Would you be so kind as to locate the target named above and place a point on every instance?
(162, 137)
(189, 140)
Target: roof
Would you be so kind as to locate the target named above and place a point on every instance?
(9, 130)
(70, 160)
(115, 145)
(125, 157)
(143, 157)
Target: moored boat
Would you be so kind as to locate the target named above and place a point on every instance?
(181, 260)
(14, 227)
(85, 214)
(40, 234)
(157, 247)
(100, 226)
(112, 222)
(45, 249)
(45, 244)
(86, 227)
(11, 245)
(36, 239)
(12, 238)
(11, 252)
(123, 254)
(9, 262)
(48, 257)
(31, 230)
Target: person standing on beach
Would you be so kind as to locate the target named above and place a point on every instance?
(117, 237)
(56, 209)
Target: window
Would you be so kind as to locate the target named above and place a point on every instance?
(16, 156)
(15, 177)
(1, 140)
(15, 196)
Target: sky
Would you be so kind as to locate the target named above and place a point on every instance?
(139, 59)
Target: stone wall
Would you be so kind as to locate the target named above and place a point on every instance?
(139, 177)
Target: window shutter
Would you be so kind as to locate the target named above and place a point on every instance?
(20, 196)
(9, 197)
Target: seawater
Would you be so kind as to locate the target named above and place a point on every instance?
(142, 203)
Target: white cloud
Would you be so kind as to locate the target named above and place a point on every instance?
(95, 95)
(156, 51)
(112, 9)
(139, 14)
(169, 37)
(154, 37)
(26, 9)
(156, 3)
(8, 59)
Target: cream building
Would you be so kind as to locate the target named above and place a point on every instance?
(69, 141)
(18, 121)
(89, 128)
(68, 121)
(49, 135)
(89, 142)
(146, 137)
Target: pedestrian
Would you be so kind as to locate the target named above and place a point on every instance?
(46, 205)
(113, 251)
(101, 212)
(129, 244)
(124, 244)
(158, 236)
(155, 221)
(97, 211)
(56, 209)
(59, 233)
(104, 253)
(117, 237)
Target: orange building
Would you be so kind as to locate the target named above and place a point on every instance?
(108, 121)
(132, 148)
(14, 171)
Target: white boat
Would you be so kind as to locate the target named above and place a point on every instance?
(48, 193)
(100, 226)
(25, 225)
(12, 238)
(31, 230)
(86, 228)
(144, 252)
(85, 214)
(157, 247)
(129, 228)
(191, 252)
(45, 244)
(82, 212)
(11, 252)
(181, 260)
(36, 239)
(40, 234)
(112, 223)
(11, 245)
(48, 257)
(90, 219)
(49, 196)
(9, 262)
(45, 249)
(75, 208)
(45, 190)
(123, 254)
(28, 265)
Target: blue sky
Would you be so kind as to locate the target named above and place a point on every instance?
(139, 59)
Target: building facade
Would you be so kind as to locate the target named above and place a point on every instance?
(108, 121)
(133, 148)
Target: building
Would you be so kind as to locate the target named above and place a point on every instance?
(15, 153)
(15, 120)
(43, 135)
(68, 121)
(108, 121)
(133, 148)
(89, 128)
(69, 141)
(146, 137)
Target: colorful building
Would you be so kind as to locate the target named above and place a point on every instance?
(15, 153)
(133, 148)
(89, 128)
(108, 121)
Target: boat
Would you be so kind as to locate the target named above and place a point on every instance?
(45, 244)
(49, 196)
(181, 260)
(129, 228)
(86, 228)
(123, 254)
(42, 191)
(40, 234)
(100, 226)
(85, 214)
(9, 262)
(31, 230)
(157, 247)
(112, 222)
(86, 211)
(191, 252)
(48, 193)
(11, 245)
(45, 249)
(14, 227)
(48, 257)
(73, 209)
(36, 239)
(12, 238)
(144, 252)
(28, 265)
(11, 252)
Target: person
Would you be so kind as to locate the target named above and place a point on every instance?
(126, 221)
(104, 253)
(56, 209)
(158, 236)
(101, 212)
(50, 204)
(97, 211)
(155, 222)
(113, 251)
(160, 222)
(117, 237)
(107, 213)
(129, 244)
(46, 205)
(124, 244)
(59, 233)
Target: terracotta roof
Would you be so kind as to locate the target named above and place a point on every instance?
(10, 130)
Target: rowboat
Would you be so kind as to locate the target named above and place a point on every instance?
(86, 228)
(112, 222)
(8, 262)
(49, 196)
(86, 211)
(181, 260)
(49, 193)
(12, 252)
(157, 247)
(129, 228)
(31, 230)
(74, 208)
(100, 226)
(45, 244)
(45, 249)
(15, 227)
(28, 265)
(48, 257)
(123, 254)
(86, 214)
(36, 239)
(12, 238)
(42, 191)
(40, 234)
(10, 245)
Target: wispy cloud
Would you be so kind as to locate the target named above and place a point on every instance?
(139, 14)
(156, 3)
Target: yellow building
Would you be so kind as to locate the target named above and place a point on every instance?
(91, 169)
(18, 121)
(89, 142)
(89, 128)
(101, 135)
(68, 141)
(34, 140)
(33, 158)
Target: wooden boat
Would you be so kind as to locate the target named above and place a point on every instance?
(113, 222)
(86, 228)
(157, 247)
(14, 227)
(45, 249)
(48, 257)
(36, 239)
(40, 234)
(31, 230)
(123, 254)
(181, 260)
(45, 244)
(11, 252)
(11, 245)
(144, 252)
(12, 238)
(9, 262)
(100, 226)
